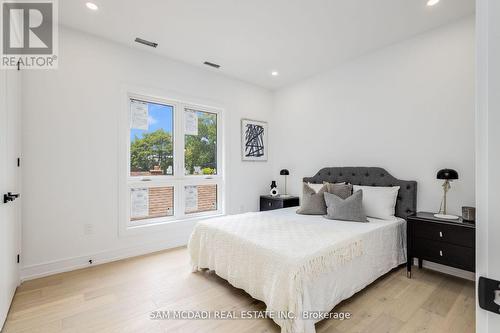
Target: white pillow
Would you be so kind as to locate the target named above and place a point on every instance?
(316, 187)
(379, 202)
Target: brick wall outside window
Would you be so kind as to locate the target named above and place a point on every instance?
(207, 199)
(161, 201)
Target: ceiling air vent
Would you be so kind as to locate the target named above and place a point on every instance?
(211, 64)
(146, 42)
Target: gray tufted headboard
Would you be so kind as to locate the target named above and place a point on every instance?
(370, 176)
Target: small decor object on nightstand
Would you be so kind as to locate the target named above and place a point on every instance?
(469, 214)
(285, 173)
(448, 175)
(274, 189)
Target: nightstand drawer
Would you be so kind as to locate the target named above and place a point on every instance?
(445, 253)
(270, 204)
(446, 233)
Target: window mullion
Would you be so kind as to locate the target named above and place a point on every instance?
(179, 139)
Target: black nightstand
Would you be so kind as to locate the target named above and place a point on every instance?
(268, 202)
(447, 242)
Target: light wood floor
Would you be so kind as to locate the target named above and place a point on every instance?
(119, 297)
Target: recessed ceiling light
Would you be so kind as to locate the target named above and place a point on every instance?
(275, 73)
(432, 2)
(91, 6)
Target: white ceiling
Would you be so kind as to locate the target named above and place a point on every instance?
(251, 38)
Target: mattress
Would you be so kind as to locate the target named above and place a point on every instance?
(297, 264)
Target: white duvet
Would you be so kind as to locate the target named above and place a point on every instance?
(297, 263)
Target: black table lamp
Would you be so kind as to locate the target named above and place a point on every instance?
(448, 175)
(285, 173)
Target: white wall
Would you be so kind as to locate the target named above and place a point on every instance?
(487, 156)
(70, 144)
(408, 108)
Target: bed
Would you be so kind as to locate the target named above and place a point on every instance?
(301, 266)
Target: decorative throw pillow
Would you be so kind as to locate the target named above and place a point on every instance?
(312, 203)
(342, 190)
(379, 202)
(315, 187)
(349, 209)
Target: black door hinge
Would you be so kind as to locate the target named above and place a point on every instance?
(18, 162)
(489, 294)
(19, 65)
(18, 258)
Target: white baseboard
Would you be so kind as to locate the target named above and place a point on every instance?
(70, 264)
(447, 270)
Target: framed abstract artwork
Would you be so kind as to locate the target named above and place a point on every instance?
(253, 140)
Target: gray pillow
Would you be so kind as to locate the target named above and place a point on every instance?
(342, 190)
(312, 203)
(350, 209)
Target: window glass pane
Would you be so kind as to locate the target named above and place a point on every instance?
(152, 202)
(151, 139)
(200, 142)
(200, 198)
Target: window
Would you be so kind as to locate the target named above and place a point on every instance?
(201, 144)
(151, 202)
(151, 141)
(201, 198)
(173, 161)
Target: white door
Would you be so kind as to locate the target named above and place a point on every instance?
(9, 182)
(488, 156)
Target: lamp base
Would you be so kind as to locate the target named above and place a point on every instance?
(446, 216)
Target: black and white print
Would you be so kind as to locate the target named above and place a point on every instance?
(253, 140)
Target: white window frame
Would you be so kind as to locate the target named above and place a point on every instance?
(178, 180)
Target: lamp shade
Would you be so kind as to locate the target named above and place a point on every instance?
(284, 172)
(448, 174)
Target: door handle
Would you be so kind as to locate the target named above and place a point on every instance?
(10, 197)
